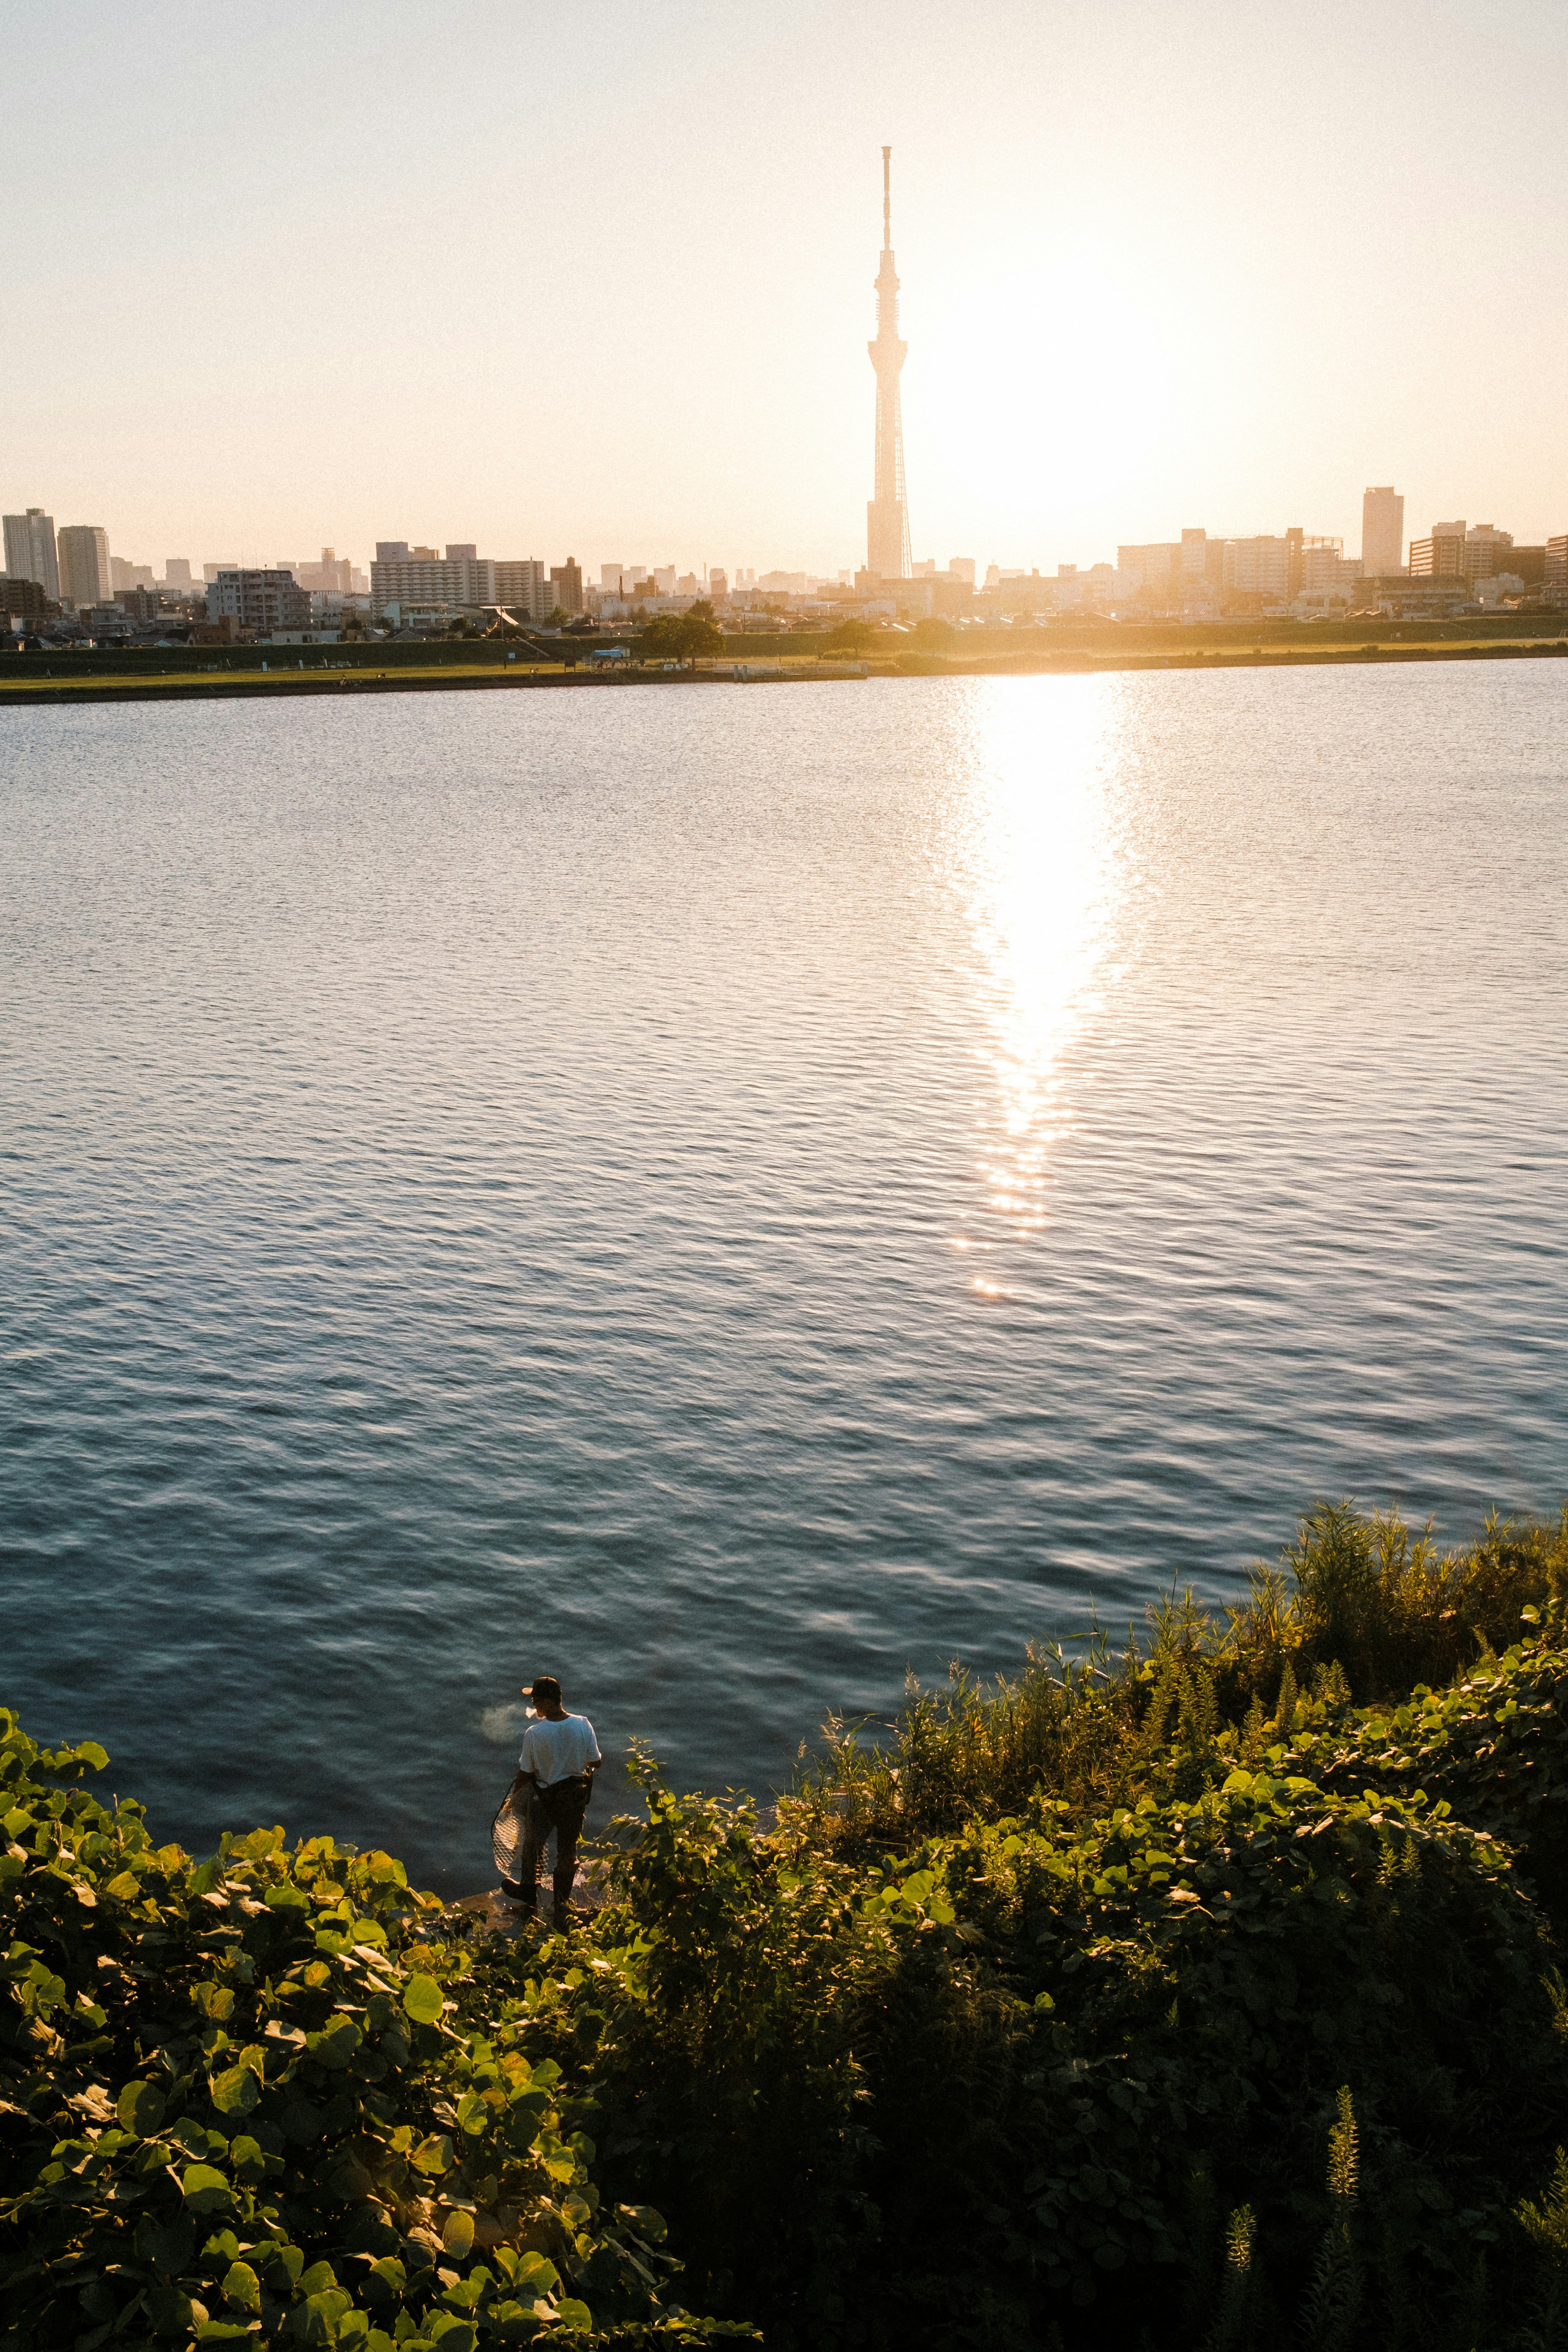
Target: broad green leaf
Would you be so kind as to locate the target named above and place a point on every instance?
(235, 2092)
(433, 2156)
(574, 2314)
(242, 2286)
(205, 2189)
(538, 2272)
(423, 2000)
(458, 2234)
(455, 2335)
(140, 2107)
(338, 2043)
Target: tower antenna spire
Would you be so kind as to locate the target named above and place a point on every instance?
(887, 514)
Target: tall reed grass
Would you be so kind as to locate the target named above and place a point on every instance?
(1361, 1609)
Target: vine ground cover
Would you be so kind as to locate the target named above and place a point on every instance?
(1201, 1995)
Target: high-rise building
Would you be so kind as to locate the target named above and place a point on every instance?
(1144, 567)
(1454, 553)
(1382, 533)
(87, 576)
(263, 600)
(1322, 563)
(25, 600)
(1440, 555)
(1486, 551)
(123, 574)
(887, 514)
(334, 576)
(1258, 567)
(177, 574)
(522, 586)
(402, 575)
(30, 550)
(566, 581)
(961, 567)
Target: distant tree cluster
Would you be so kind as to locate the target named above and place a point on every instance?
(682, 636)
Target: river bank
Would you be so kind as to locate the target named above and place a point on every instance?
(31, 680)
(1175, 1999)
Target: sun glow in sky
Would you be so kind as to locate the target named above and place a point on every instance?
(600, 282)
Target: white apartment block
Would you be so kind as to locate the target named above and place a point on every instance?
(1258, 567)
(405, 576)
(262, 600)
(1324, 564)
(523, 587)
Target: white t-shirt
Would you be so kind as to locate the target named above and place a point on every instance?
(557, 1751)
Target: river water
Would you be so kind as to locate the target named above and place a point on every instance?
(729, 1195)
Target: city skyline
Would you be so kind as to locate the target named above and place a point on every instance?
(1127, 310)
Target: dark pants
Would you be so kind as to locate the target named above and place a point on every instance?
(560, 1808)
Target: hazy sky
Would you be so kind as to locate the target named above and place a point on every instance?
(597, 279)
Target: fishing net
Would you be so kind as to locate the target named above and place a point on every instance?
(512, 1837)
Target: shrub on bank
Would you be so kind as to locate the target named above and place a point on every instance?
(264, 2097)
(1201, 1996)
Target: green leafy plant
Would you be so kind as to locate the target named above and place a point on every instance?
(264, 2096)
(1201, 1994)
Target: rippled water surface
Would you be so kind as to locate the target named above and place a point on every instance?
(727, 1194)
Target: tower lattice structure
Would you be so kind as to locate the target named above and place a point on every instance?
(887, 514)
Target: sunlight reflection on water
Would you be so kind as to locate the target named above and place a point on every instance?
(1037, 860)
(480, 1179)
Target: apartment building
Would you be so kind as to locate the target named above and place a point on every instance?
(1382, 532)
(1450, 551)
(30, 550)
(522, 586)
(262, 601)
(87, 574)
(566, 585)
(459, 580)
(1258, 567)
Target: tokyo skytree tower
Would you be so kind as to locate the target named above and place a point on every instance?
(887, 514)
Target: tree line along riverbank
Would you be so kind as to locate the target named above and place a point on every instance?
(183, 673)
(1202, 1991)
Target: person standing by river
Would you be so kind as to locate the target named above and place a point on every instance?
(554, 1782)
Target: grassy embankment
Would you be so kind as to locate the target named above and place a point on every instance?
(177, 673)
(1200, 1995)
